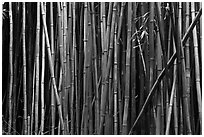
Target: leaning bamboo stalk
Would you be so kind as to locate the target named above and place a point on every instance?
(175, 106)
(119, 85)
(52, 70)
(152, 91)
(127, 85)
(11, 67)
(24, 71)
(171, 100)
(42, 80)
(197, 66)
(53, 58)
(33, 101)
(191, 27)
(140, 51)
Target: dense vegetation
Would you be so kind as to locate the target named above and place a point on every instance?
(101, 68)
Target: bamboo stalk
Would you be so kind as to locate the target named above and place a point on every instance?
(11, 67)
(127, 86)
(187, 53)
(97, 114)
(159, 121)
(85, 65)
(53, 58)
(42, 80)
(133, 73)
(16, 62)
(33, 101)
(115, 83)
(72, 69)
(151, 55)
(37, 67)
(24, 71)
(171, 100)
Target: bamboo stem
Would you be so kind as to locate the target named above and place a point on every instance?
(42, 81)
(24, 71)
(11, 67)
(127, 86)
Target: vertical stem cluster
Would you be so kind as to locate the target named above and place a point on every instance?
(102, 68)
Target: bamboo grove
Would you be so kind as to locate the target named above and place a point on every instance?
(101, 68)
